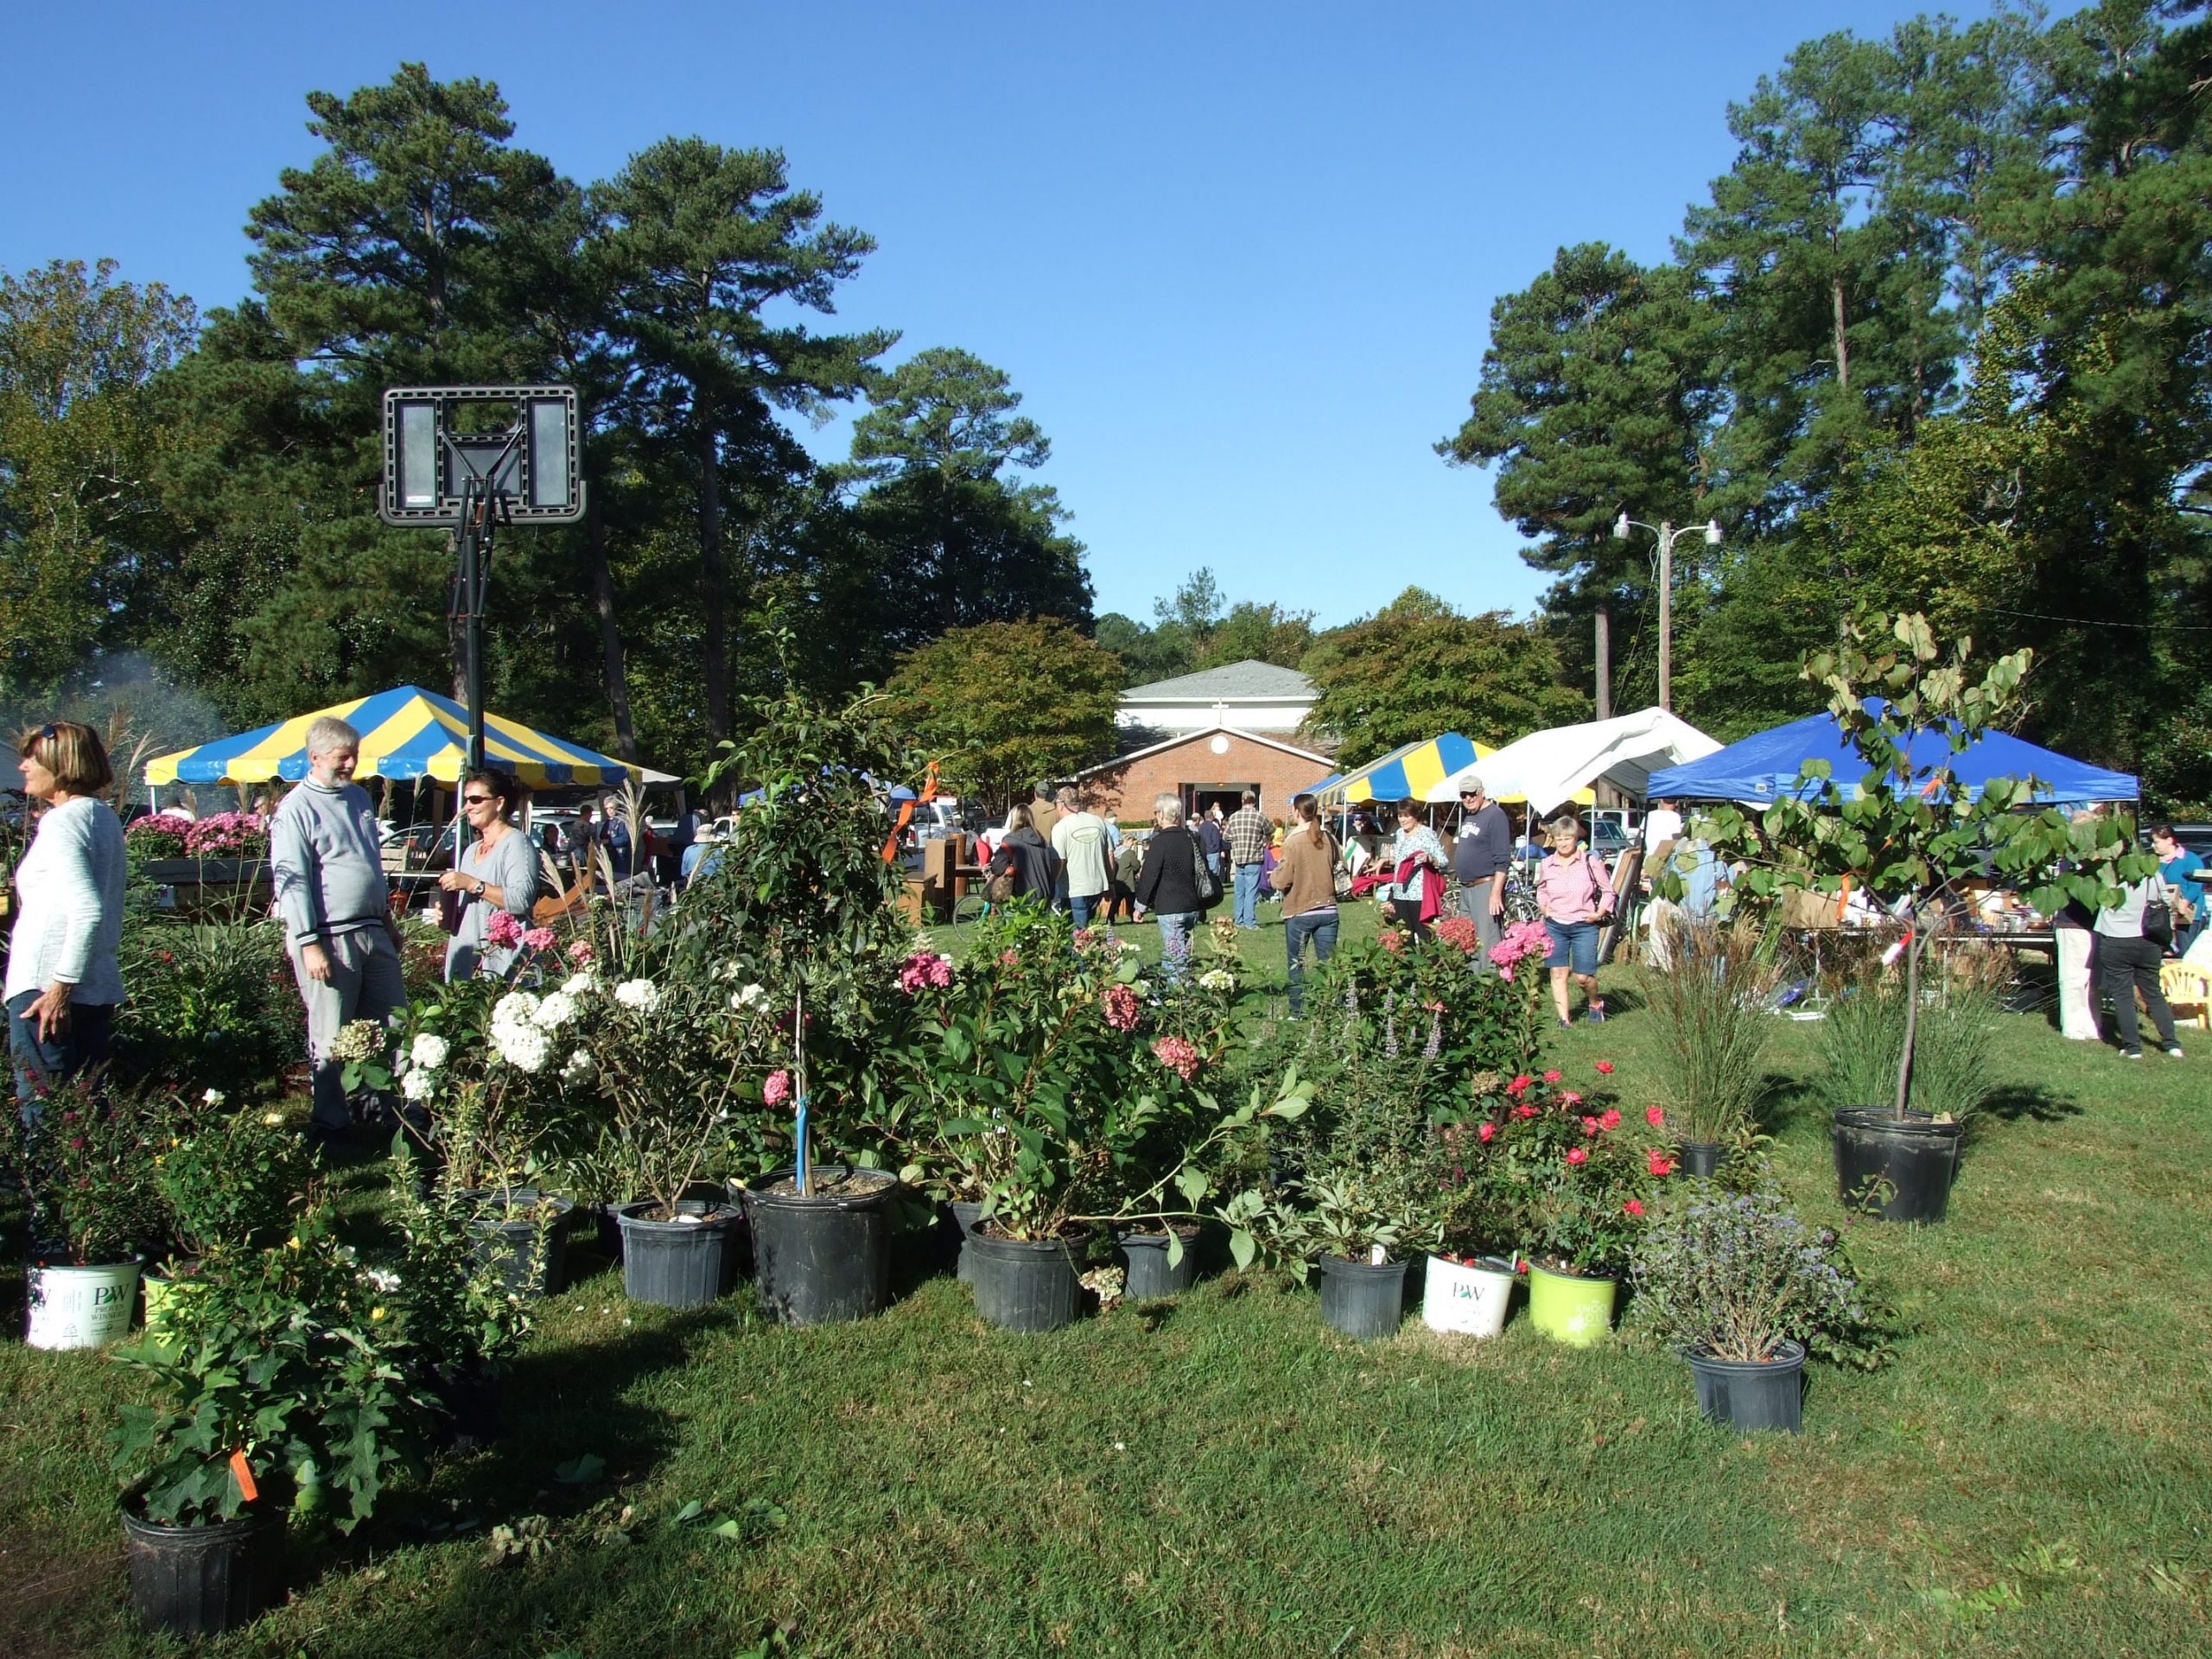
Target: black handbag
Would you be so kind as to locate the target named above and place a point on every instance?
(1206, 883)
(2159, 919)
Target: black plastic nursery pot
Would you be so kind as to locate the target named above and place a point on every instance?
(826, 1256)
(1361, 1300)
(507, 1239)
(961, 1213)
(1898, 1168)
(686, 1262)
(1144, 1270)
(1023, 1284)
(205, 1579)
(1702, 1158)
(1752, 1394)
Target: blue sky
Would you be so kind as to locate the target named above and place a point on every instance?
(1238, 257)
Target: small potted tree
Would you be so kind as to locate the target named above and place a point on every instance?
(1743, 1290)
(799, 912)
(1908, 835)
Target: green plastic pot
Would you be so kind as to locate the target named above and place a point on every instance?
(1571, 1308)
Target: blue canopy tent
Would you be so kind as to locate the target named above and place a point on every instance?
(1766, 766)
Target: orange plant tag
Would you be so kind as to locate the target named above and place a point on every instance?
(242, 1471)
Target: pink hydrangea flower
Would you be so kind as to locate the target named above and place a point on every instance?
(924, 969)
(778, 1089)
(1122, 1008)
(1177, 1054)
(503, 929)
(580, 952)
(539, 938)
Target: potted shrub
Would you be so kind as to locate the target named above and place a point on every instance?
(483, 1122)
(1575, 1174)
(225, 1178)
(83, 1156)
(1743, 1290)
(281, 1384)
(1709, 1008)
(1044, 1079)
(1908, 835)
(1395, 1032)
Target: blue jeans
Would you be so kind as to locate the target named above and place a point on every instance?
(1079, 905)
(1175, 940)
(81, 1044)
(1247, 895)
(1319, 925)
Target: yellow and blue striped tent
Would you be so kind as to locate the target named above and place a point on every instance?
(1410, 769)
(405, 733)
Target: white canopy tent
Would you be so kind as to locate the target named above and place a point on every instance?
(1549, 768)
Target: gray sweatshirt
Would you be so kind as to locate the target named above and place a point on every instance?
(326, 865)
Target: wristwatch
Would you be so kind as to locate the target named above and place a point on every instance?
(480, 887)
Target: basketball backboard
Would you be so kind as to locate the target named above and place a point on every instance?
(518, 443)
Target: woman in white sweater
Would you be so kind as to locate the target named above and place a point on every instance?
(63, 981)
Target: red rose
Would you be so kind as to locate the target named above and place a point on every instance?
(1487, 1133)
(1662, 1164)
(1610, 1121)
(1634, 1207)
(1519, 1085)
(1551, 1077)
(1578, 1155)
(1605, 1068)
(1589, 1125)
(1568, 1097)
(1653, 1116)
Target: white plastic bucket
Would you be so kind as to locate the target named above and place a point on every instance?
(80, 1308)
(1470, 1301)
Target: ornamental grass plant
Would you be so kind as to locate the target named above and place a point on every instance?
(1709, 1005)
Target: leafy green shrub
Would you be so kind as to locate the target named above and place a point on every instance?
(232, 1179)
(210, 1005)
(83, 1155)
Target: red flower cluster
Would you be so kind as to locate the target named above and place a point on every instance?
(1662, 1164)
(1655, 1118)
(1605, 1068)
(1578, 1155)
(1392, 942)
(924, 969)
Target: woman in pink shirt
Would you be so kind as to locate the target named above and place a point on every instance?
(1575, 894)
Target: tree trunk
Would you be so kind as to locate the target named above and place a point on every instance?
(1911, 1016)
(610, 632)
(1604, 653)
(1842, 344)
(710, 559)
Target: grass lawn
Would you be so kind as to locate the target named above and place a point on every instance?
(2030, 1476)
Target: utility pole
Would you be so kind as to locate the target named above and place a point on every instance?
(1667, 534)
(1604, 654)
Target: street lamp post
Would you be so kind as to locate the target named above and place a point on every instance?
(1667, 534)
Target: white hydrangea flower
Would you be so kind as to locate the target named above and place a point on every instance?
(213, 1097)
(579, 1067)
(1218, 979)
(582, 984)
(641, 995)
(515, 1008)
(554, 1010)
(524, 1047)
(382, 1278)
(751, 997)
(419, 1084)
(428, 1051)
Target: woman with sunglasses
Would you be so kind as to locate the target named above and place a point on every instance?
(499, 872)
(63, 980)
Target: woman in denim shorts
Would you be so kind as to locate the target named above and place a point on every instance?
(1575, 895)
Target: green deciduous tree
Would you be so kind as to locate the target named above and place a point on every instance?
(1006, 705)
(1417, 669)
(80, 437)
